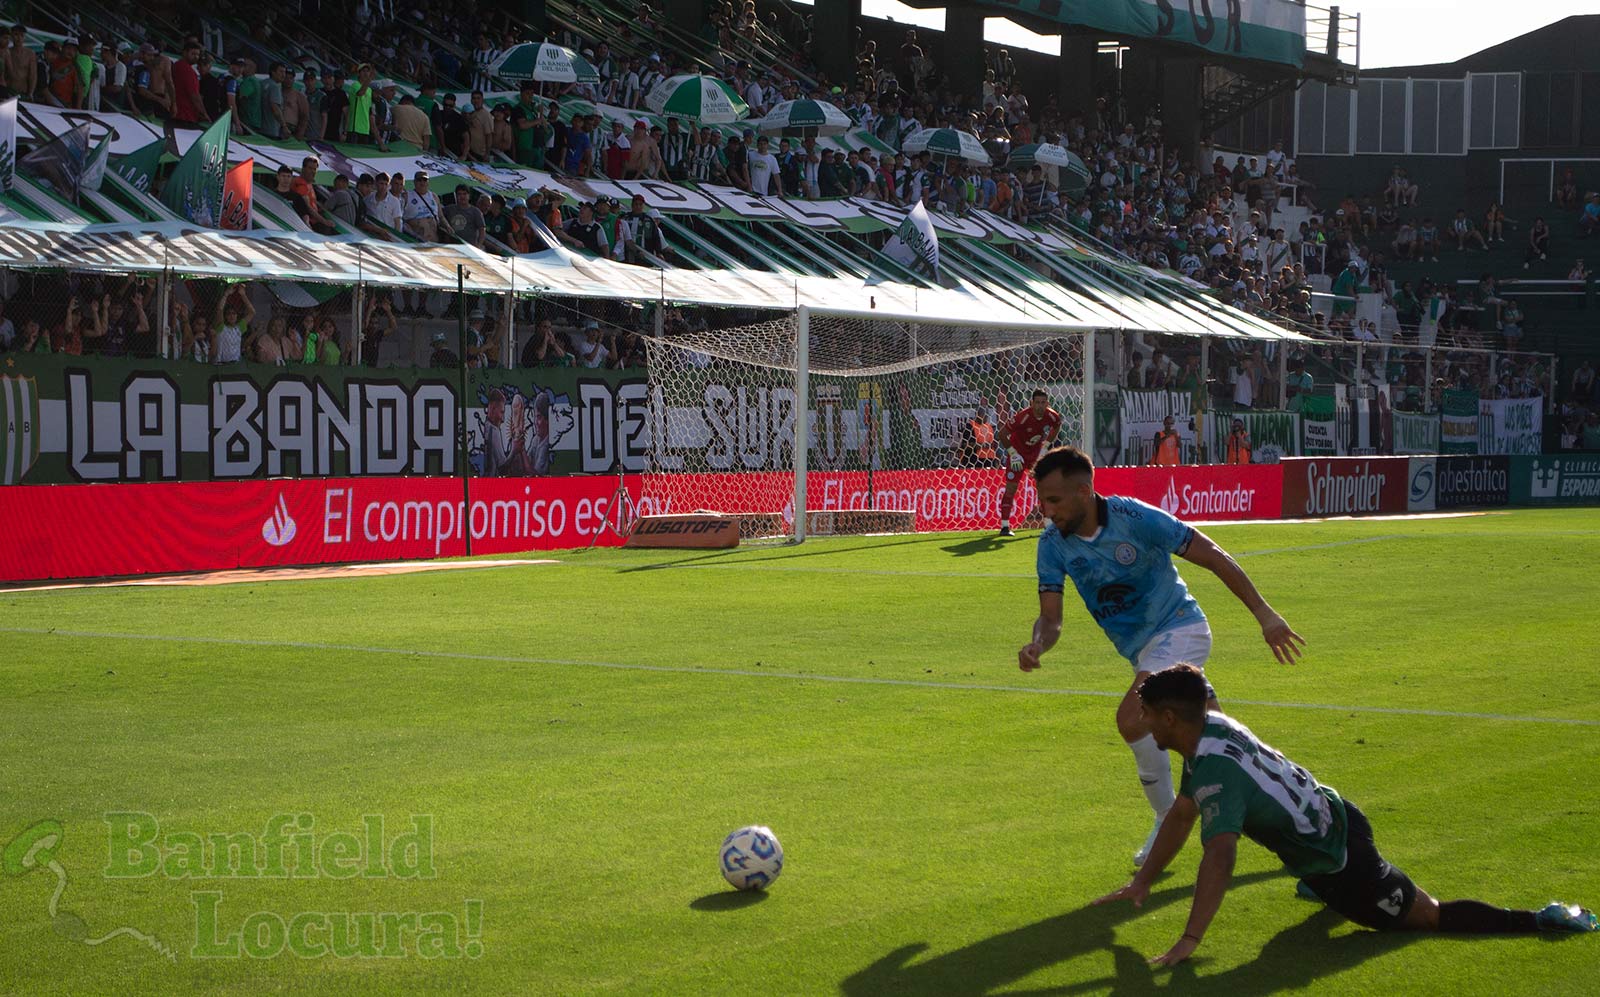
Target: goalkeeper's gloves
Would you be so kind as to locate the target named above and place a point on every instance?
(1016, 461)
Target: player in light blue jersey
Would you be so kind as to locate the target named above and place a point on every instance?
(1118, 553)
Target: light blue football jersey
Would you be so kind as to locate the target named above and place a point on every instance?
(1125, 573)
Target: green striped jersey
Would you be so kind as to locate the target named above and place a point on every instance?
(1242, 786)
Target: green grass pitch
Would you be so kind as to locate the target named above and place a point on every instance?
(940, 839)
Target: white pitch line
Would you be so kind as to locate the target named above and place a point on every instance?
(748, 673)
(826, 570)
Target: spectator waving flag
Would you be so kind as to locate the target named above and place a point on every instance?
(195, 188)
(8, 143)
(61, 161)
(139, 166)
(915, 244)
(236, 195)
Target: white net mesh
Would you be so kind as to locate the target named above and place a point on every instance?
(896, 415)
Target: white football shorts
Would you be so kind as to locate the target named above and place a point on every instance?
(1189, 645)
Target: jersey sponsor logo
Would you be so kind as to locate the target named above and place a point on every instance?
(1206, 792)
(1126, 554)
(1114, 600)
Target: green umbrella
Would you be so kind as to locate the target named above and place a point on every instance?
(948, 142)
(543, 62)
(809, 117)
(704, 99)
(1074, 175)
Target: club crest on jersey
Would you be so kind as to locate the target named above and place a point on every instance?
(1125, 554)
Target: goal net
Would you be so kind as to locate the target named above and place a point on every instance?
(896, 417)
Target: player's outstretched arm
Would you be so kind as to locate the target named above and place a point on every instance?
(1169, 842)
(1286, 645)
(1210, 886)
(1046, 631)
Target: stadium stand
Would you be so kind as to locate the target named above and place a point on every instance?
(1238, 248)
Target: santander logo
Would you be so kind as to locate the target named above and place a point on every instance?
(1169, 501)
(1207, 499)
(279, 528)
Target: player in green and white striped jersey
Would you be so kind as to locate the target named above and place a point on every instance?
(1237, 785)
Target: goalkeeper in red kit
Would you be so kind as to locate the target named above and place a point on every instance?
(1028, 434)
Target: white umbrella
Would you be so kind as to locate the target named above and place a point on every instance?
(948, 142)
(810, 117)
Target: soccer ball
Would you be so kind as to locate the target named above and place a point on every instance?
(751, 858)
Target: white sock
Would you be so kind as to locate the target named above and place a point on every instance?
(1155, 772)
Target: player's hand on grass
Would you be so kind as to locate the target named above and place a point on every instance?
(1182, 950)
(1028, 657)
(1287, 646)
(1135, 891)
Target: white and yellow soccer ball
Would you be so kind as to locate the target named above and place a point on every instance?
(751, 858)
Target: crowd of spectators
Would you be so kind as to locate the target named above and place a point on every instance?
(1219, 224)
(211, 322)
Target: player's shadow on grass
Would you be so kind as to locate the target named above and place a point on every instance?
(986, 544)
(787, 552)
(1296, 956)
(728, 900)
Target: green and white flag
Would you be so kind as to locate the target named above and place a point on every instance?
(195, 188)
(915, 244)
(1458, 422)
(8, 143)
(139, 167)
(19, 405)
(1317, 413)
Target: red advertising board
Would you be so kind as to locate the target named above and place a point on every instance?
(1207, 492)
(81, 531)
(969, 499)
(1345, 486)
(85, 531)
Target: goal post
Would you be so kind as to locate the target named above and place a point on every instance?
(826, 422)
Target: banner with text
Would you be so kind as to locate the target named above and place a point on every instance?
(1143, 413)
(1416, 433)
(1317, 421)
(1511, 425)
(1550, 479)
(1273, 435)
(80, 531)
